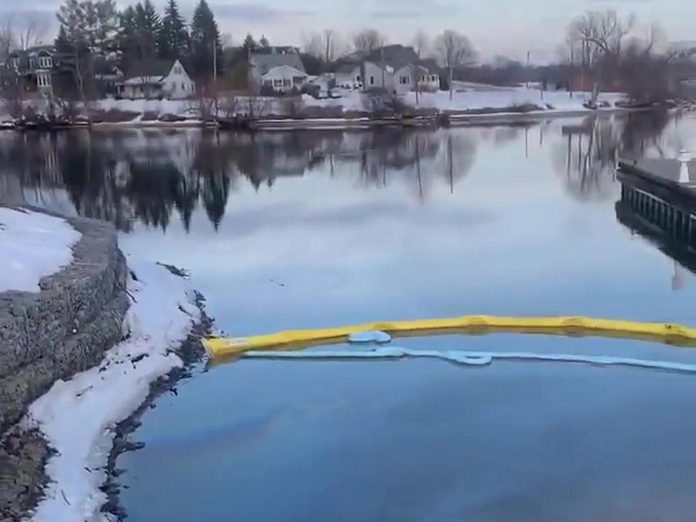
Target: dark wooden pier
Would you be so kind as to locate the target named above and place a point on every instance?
(658, 200)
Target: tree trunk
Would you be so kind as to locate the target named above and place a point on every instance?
(451, 79)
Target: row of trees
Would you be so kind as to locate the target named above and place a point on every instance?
(95, 29)
(601, 48)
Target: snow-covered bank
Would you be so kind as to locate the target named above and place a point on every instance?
(351, 105)
(499, 99)
(78, 417)
(32, 246)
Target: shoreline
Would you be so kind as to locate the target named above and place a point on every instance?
(192, 354)
(440, 120)
(72, 476)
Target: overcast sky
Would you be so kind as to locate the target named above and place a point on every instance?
(508, 27)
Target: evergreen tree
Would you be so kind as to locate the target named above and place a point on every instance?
(128, 38)
(173, 38)
(148, 25)
(264, 42)
(249, 44)
(206, 50)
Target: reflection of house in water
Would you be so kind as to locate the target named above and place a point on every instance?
(658, 201)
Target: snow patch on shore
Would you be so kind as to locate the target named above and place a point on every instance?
(78, 416)
(32, 245)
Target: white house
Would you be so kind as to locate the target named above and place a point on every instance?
(284, 78)
(278, 67)
(349, 76)
(152, 79)
(394, 68)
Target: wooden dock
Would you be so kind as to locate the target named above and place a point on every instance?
(659, 197)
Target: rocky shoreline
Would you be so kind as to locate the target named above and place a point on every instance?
(192, 354)
(68, 327)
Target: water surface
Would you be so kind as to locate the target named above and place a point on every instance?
(312, 230)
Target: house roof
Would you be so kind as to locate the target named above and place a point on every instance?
(431, 65)
(264, 62)
(33, 51)
(289, 69)
(394, 56)
(347, 68)
(149, 69)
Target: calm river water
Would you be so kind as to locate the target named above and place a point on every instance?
(319, 229)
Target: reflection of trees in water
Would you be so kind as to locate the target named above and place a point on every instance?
(147, 176)
(417, 158)
(587, 155)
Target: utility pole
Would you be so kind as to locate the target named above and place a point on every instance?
(528, 57)
(572, 68)
(215, 74)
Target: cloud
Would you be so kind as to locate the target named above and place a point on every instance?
(256, 12)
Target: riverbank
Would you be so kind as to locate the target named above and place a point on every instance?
(353, 109)
(120, 332)
(163, 313)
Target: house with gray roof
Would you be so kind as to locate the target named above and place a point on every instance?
(156, 79)
(277, 68)
(394, 68)
(33, 68)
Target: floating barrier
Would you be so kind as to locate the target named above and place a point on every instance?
(673, 334)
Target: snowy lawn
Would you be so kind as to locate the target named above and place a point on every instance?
(504, 98)
(498, 98)
(32, 246)
(77, 417)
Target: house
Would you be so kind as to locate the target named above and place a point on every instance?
(157, 79)
(34, 68)
(107, 77)
(394, 68)
(284, 78)
(279, 68)
(349, 75)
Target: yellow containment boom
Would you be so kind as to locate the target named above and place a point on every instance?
(468, 325)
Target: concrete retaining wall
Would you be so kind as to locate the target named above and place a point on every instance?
(67, 326)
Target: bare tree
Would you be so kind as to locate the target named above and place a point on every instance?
(600, 35)
(8, 38)
(368, 40)
(421, 43)
(420, 46)
(455, 50)
(31, 29)
(91, 27)
(329, 45)
(312, 45)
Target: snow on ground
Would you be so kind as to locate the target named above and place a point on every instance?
(177, 107)
(77, 417)
(504, 98)
(32, 245)
(480, 98)
(351, 101)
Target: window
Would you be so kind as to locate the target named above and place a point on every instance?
(183, 86)
(43, 80)
(358, 78)
(286, 83)
(45, 62)
(277, 83)
(177, 70)
(372, 80)
(268, 83)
